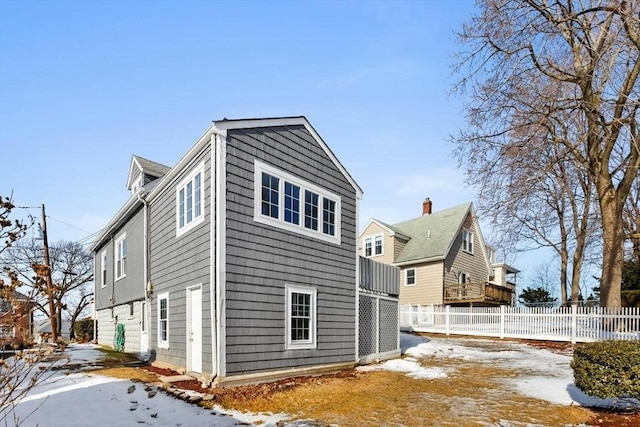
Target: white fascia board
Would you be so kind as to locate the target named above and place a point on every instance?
(117, 220)
(391, 232)
(224, 125)
(419, 261)
(453, 238)
(134, 164)
(174, 172)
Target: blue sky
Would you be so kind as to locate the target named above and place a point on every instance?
(84, 85)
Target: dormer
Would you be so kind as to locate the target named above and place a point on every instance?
(143, 171)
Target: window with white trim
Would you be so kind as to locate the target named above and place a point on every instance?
(285, 201)
(121, 257)
(103, 266)
(410, 277)
(467, 241)
(163, 320)
(301, 317)
(368, 246)
(190, 201)
(373, 245)
(462, 277)
(377, 249)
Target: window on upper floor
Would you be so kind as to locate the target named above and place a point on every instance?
(103, 269)
(301, 317)
(410, 277)
(373, 245)
(287, 202)
(368, 246)
(467, 241)
(121, 257)
(190, 201)
(377, 249)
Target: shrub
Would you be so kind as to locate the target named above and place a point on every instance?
(83, 329)
(630, 298)
(608, 368)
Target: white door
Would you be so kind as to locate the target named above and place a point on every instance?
(194, 329)
(144, 328)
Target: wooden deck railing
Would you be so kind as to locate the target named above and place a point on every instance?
(477, 292)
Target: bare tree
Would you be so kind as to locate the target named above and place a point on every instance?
(530, 64)
(72, 274)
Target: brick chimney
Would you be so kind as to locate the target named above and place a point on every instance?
(426, 207)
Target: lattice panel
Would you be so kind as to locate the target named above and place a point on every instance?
(388, 315)
(367, 332)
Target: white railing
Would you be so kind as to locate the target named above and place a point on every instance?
(574, 324)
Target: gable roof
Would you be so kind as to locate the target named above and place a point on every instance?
(221, 126)
(432, 235)
(393, 231)
(169, 175)
(147, 167)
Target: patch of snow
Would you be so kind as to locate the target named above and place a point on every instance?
(545, 375)
(103, 401)
(409, 366)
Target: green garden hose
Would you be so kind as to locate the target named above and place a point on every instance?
(120, 337)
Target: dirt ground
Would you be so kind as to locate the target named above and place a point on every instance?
(471, 395)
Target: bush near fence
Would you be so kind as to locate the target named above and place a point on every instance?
(630, 298)
(608, 369)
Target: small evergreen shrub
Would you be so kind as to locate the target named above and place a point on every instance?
(608, 369)
(630, 298)
(83, 329)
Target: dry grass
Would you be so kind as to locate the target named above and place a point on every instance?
(469, 396)
(472, 394)
(126, 373)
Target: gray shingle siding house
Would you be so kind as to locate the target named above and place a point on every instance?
(246, 254)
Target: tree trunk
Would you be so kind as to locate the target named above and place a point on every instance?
(613, 250)
(564, 268)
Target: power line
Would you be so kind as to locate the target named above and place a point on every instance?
(67, 224)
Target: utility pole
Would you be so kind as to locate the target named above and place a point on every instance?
(52, 311)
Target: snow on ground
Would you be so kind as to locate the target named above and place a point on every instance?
(85, 399)
(545, 375)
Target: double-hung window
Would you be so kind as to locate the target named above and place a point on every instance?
(288, 202)
(301, 317)
(467, 241)
(190, 201)
(121, 257)
(410, 277)
(103, 267)
(163, 320)
(368, 242)
(373, 245)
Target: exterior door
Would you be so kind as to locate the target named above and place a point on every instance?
(144, 328)
(194, 329)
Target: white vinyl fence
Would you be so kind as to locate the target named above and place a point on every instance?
(574, 324)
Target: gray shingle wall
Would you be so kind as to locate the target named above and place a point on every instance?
(261, 259)
(178, 263)
(131, 287)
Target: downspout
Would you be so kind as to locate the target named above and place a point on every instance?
(212, 258)
(220, 253)
(357, 331)
(146, 283)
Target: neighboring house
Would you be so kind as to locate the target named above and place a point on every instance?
(239, 264)
(42, 331)
(16, 319)
(442, 258)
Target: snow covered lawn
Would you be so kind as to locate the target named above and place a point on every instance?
(86, 399)
(83, 398)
